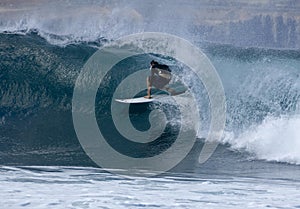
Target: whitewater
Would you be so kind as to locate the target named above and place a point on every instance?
(44, 48)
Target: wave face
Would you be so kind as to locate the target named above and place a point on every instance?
(37, 81)
(42, 55)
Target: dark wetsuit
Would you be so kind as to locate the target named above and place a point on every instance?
(160, 76)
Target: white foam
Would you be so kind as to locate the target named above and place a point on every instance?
(275, 139)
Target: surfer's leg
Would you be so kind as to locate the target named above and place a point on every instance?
(149, 84)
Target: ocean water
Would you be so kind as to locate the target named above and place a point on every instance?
(44, 165)
(85, 187)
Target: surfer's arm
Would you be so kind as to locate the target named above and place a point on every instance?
(153, 71)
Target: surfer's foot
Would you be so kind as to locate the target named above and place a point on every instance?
(147, 97)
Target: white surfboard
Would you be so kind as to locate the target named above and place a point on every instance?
(142, 99)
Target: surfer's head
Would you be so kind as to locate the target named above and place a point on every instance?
(153, 62)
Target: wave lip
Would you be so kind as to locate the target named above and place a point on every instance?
(67, 24)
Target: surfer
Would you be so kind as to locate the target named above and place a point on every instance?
(160, 76)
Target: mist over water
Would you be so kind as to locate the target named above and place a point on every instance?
(241, 23)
